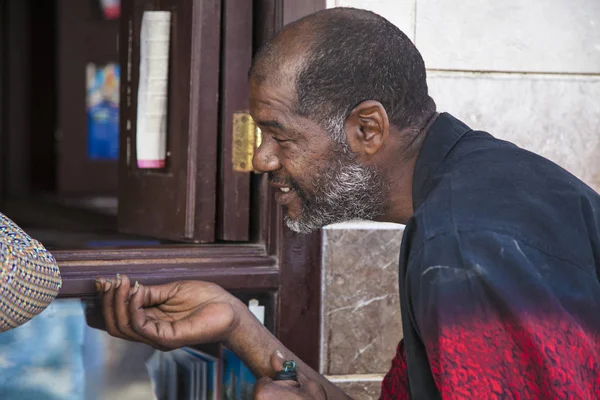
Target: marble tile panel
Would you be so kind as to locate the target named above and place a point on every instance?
(361, 310)
(361, 390)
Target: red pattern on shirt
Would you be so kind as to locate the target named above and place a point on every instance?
(534, 358)
(550, 359)
(394, 384)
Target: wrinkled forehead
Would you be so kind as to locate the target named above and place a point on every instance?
(272, 105)
(274, 75)
(272, 97)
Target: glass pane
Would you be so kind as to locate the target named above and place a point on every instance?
(56, 356)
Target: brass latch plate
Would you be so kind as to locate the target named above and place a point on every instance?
(247, 137)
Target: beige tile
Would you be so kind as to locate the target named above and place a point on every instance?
(556, 117)
(361, 310)
(361, 390)
(510, 35)
(399, 12)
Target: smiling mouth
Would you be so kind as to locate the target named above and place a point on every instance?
(285, 195)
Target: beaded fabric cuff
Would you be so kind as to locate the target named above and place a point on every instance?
(29, 276)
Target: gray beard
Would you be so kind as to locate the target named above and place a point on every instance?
(345, 190)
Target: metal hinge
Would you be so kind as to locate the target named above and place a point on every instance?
(247, 137)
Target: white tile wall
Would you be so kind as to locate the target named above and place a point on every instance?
(400, 12)
(510, 35)
(557, 117)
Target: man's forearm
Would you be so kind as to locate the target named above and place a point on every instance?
(255, 345)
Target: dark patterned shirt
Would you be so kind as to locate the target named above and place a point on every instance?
(499, 272)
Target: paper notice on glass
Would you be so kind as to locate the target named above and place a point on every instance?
(151, 135)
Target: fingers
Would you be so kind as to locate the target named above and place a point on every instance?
(122, 294)
(115, 294)
(106, 289)
(267, 389)
(159, 294)
(140, 323)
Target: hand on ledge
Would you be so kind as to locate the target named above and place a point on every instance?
(193, 312)
(167, 316)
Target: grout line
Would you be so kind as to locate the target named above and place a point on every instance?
(415, 23)
(355, 378)
(541, 74)
(370, 225)
(324, 239)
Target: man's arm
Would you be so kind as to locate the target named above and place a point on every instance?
(502, 319)
(254, 344)
(192, 312)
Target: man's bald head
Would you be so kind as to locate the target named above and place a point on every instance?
(282, 56)
(340, 57)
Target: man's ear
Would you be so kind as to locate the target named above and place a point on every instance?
(367, 128)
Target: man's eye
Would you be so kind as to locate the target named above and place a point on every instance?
(278, 140)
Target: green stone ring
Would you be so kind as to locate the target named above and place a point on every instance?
(289, 366)
(288, 373)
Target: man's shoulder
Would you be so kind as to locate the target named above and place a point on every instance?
(487, 184)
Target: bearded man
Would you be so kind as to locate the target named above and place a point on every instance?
(500, 257)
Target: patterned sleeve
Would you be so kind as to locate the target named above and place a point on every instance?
(30, 278)
(501, 318)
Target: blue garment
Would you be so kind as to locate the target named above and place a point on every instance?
(44, 358)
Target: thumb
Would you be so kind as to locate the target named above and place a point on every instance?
(277, 361)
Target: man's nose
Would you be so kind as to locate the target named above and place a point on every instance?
(265, 159)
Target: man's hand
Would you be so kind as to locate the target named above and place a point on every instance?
(168, 316)
(305, 388)
(192, 312)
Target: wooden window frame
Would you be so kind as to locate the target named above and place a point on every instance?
(277, 261)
